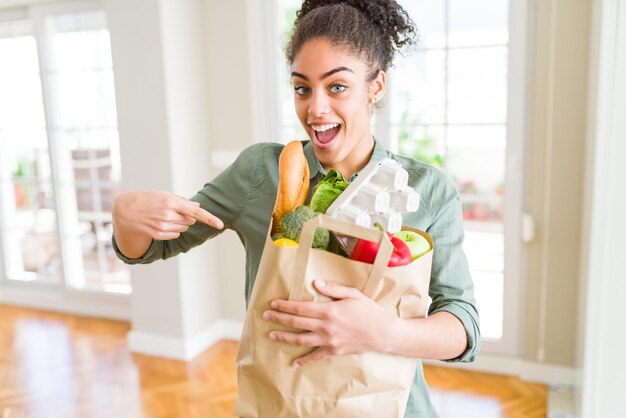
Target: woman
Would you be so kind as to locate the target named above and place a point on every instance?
(339, 53)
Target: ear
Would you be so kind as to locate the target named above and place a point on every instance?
(378, 87)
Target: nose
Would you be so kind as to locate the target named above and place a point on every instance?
(319, 105)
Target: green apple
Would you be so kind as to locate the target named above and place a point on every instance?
(418, 245)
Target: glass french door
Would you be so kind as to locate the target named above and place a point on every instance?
(59, 150)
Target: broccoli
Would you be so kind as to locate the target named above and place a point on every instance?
(278, 236)
(292, 223)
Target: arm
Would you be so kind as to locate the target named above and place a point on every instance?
(356, 324)
(140, 217)
(440, 336)
(151, 226)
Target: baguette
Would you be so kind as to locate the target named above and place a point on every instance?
(293, 182)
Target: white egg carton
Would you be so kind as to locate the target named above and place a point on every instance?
(380, 193)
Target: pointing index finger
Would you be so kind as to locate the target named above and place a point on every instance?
(193, 209)
(208, 218)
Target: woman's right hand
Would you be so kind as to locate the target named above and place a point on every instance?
(140, 217)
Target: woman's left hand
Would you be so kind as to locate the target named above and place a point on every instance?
(351, 324)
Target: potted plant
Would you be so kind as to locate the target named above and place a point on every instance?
(21, 197)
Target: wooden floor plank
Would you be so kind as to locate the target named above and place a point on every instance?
(56, 365)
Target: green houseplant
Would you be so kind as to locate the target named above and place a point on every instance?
(21, 197)
(420, 146)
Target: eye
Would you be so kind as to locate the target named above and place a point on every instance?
(338, 88)
(301, 90)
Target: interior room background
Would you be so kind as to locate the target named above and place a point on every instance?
(99, 97)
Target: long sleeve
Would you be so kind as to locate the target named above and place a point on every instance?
(224, 197)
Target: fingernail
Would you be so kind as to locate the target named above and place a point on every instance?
(274, 304)
(320, 283)
(266, 315)
(273, 336)
(296, 364)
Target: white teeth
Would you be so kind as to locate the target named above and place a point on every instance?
(322, 128)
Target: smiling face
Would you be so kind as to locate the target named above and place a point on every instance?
(333, 100)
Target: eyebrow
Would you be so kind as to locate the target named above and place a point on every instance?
(325, 75)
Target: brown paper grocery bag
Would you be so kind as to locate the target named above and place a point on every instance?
(366, 385)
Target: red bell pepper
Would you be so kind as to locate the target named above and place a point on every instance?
(366, 251)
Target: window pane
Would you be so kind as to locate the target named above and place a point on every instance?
(476, 161)
(28, 226)
(29, 232)
(478, 22)
(24, 154)
(423, 143)
(477, 136)
(477, 85)
(20, 49)
(418, 89)
(485, 256)
(21, 103)
(84, 99)
(82, 50)
(291, 128)
(429, 17)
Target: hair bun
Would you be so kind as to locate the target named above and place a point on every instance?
(393, 21)
(372, 29)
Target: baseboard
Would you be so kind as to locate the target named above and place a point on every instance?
(488, 363)
(231, 330)
(77, 302)
(157, 345)
(549, 374)
(181, 348)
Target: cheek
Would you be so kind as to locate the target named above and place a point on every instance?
(301, 109)
(357, 115)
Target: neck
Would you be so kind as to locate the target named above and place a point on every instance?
(357, 159)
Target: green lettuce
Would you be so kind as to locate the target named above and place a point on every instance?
(327, 190)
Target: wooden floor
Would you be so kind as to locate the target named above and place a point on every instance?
(63, 366)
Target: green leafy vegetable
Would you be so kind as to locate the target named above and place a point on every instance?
(327, 190)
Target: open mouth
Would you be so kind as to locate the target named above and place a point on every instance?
(324, 135)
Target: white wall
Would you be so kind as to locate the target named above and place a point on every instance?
(230, 114)
(554, 182)
(183, 38)
(604, 342)
(139, 81)
(161, 84)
